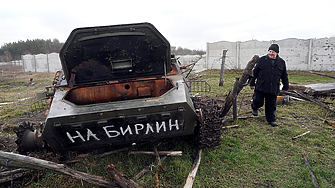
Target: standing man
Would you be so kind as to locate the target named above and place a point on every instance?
(268, 72)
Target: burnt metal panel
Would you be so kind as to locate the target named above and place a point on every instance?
(95, 54)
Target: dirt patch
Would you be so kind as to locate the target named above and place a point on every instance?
(7, 143)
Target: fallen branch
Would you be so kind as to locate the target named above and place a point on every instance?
(194, 169)
(320, 74)
(231, 126)
(146, 169)
(16, 160)
(158, 159)
(305, 97)
(11, 175)
(12, 172)
(247, 74)
(120, 177)
(111, 152)
(300, 135)
(167, 153)
(314, 180)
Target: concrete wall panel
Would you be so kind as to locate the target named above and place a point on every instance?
(299, 54)
(41, 63)
(28, 63)
(54, 62)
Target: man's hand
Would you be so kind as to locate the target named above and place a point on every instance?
(252, 87)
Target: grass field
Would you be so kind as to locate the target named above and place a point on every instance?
(252, 155)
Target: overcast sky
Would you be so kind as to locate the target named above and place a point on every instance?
(189, 24)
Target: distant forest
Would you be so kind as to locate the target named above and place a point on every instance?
(186, 51)
(13, 51)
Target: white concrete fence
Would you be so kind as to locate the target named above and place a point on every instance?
(41, 63)
(299, 54)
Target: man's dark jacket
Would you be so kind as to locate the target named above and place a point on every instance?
(268, 75)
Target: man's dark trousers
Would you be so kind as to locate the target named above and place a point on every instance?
(270, 104)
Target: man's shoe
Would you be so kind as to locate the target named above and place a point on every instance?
(273, 124)
(254, 112)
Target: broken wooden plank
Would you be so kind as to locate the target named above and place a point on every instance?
(300, 135)
(194, 169)
(121, 178)
(16, 160)
(314, 180)
(167, 153)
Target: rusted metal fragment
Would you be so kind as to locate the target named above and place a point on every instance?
(118, 91)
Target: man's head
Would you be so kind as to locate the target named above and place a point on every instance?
(273, 51)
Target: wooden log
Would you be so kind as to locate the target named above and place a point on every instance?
(194, 169)
(16, 160)
(159, 159)
(300, 135)
(314, 180)
(167, 153)
(247, 74)
(121, 178)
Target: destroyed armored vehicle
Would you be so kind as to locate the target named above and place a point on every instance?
(119, 85)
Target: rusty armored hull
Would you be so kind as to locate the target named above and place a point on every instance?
(119, 85)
